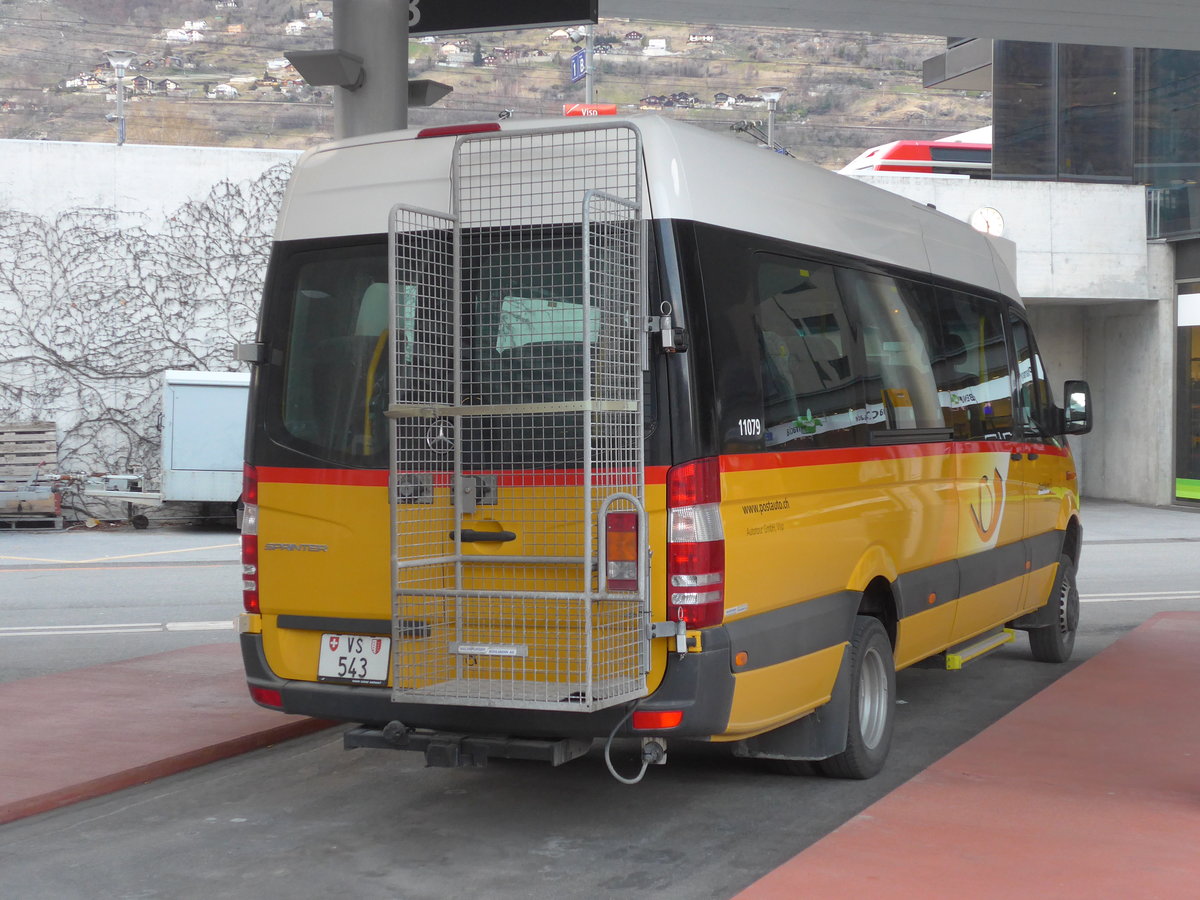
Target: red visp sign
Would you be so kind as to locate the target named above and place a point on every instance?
(589, 109)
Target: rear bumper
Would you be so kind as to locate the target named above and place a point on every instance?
(698, 684)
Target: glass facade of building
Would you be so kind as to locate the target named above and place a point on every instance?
(1066, 112)
(1063, 112)
(1167, 131)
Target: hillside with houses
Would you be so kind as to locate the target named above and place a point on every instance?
(213, 72)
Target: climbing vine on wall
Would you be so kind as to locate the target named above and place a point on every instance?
(92, 312)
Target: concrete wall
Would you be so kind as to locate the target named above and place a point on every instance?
(116, 264)
(1131, 367)
(144, 184)
(1074, 241)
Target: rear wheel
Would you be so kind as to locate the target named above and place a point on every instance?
(1054, 641)
(872, 704)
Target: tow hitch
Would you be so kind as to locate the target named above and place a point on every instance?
(450, 750)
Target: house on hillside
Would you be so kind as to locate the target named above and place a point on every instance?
(633, 37)
(166, 86)
(295, 27)
(183, 36)
(223, 92)
(77, 82)
(197, 25)
(700, 38)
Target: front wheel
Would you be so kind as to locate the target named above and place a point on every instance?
(872, 704)
(1054, 641)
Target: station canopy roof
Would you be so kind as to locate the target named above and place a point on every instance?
(1167, 24)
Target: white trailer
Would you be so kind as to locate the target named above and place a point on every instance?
(203, 438)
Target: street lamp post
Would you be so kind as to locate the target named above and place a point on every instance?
(771, 95)
(120, 60)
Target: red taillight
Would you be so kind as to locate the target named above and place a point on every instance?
(648, 720)
(267, 697)
(695, 544)
(694, 483)
(249, 484)
(250, 540)
(621, 551)
(450, 130)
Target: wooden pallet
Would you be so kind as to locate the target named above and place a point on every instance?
(31, 523)
(27, 450)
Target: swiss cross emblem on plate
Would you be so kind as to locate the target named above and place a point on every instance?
(333, 641)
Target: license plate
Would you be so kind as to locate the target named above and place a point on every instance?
(354, 658)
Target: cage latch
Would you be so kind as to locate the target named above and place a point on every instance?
(674, 338)
(676, 630)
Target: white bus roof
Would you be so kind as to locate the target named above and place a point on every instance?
(348, 188)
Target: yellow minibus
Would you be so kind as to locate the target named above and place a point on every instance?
(571, 432)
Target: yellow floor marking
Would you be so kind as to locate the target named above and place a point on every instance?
(126, 556)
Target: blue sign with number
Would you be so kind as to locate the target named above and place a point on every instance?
(578, 66)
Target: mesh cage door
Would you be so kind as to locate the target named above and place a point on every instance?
(423, 291)
(534, 396)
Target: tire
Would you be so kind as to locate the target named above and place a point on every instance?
(1054, 641)
(872, 704)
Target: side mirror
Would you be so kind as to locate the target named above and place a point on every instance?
(1077, 413)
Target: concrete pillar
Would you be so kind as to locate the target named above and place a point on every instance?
(376, 31)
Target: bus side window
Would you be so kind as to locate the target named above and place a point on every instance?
(971, 367)
(812, 389)
(898, 336)
(1033, 392)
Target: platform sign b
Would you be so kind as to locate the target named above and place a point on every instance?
(578, 66)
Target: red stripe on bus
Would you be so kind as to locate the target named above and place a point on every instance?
(754, 462)
(351, 477)
(657, 475)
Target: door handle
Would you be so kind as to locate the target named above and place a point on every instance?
(470, 535)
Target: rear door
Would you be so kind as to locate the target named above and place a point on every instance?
(518, 328)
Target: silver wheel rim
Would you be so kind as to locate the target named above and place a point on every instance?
(872, 698)
(1064, 609)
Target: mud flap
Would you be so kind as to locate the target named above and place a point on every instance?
(819, 735)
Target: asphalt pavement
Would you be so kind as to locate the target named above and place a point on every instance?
(141, 719)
